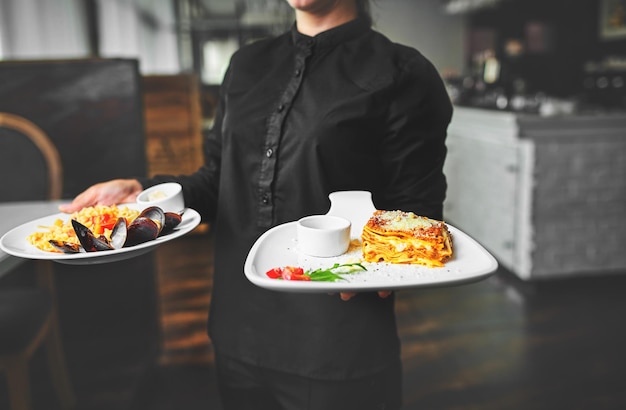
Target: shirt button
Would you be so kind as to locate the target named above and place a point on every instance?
(265, 199)
(280, 108)
(297, 72)
(269, 152)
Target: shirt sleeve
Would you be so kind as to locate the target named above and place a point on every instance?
(413, 150)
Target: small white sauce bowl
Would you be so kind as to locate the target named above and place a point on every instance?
(323, 235)
(167, 196)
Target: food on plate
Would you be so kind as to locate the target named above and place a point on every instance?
(332, 274)
(156, 195)
(101, 228)
(403, 237)
(99, 219)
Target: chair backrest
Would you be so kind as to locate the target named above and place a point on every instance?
(31, 169)
(29, 162)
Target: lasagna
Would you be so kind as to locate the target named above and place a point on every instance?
(403, 237)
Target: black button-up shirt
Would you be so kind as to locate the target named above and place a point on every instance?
(300, 117)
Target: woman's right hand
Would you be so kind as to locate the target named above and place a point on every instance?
(112, 192)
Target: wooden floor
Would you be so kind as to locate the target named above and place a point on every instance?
(496, 344)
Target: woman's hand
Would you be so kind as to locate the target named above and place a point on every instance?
(112, 192)
(349, 295)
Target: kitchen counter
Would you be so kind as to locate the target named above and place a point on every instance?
(546, 195)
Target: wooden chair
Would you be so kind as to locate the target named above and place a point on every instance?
(28, 314)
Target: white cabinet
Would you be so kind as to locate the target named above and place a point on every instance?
(547, 196)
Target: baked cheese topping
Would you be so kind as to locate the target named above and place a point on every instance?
(403, 237)
(403, 221)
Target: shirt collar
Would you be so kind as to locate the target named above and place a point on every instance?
(332, 37)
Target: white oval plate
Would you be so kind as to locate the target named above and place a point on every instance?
(14, 241)
(278, 247)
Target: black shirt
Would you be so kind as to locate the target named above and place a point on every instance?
(300, 117)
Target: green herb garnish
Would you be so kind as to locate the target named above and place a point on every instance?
(335, 272)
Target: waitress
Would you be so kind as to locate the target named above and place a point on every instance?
(331, 105)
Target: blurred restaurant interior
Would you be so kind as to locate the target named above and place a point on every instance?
(536, 173)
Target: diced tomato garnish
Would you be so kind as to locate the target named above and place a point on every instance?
(288, 273)
(102, 222)
(107, 225)
(292, 273)
(275, 273)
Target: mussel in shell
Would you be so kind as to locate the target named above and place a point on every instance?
(88, 240)
(65, 247)
(154, 213)
(172, 220)
(141, 230)
(119, 233)
(150, 223)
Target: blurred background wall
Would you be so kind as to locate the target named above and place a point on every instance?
(40, 29)
(166, 35)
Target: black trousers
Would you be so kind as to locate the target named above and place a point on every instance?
(246, 387)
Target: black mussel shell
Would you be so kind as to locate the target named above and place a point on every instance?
(65, 247)
(172, 220)
(142, 229)
(88, 240)
(119, 233)
(156, 214)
